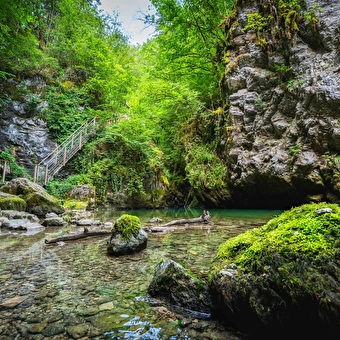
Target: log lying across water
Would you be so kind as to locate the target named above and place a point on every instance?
(204, 218)
(72, 237)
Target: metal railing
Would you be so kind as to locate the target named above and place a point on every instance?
(52, 164)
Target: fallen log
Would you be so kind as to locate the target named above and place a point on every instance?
(159, 229)
(204, 218)
(72, 237)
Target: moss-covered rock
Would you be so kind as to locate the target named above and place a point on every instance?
(11, 202)
(127, 236)
(182, 290)
(38, 201)
(283, 277)
(127, 226)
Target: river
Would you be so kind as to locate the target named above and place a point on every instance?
(75, 290)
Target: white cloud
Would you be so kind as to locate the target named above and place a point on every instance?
(128, 14)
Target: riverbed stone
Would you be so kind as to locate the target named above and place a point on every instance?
(77, 331)
(13, 302)
(53, 329)
(15, 214)
(181, 289)
(38, 327)
(106, 306)
(87, 311)
(22, 224)
(85, 222)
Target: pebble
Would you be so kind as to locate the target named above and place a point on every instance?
(38, 327)
(77, 331)
(53, 329)
(13, 302)
(106, 306)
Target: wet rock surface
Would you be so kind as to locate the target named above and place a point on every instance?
(182, 290)
(118, 246)
(52, 219)
(13, 220)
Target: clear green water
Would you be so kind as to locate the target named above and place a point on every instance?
(79, 280)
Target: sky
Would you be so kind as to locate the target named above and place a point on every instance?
(128, 14)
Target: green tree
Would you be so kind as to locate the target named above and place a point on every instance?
(189, 41)
(19, 45)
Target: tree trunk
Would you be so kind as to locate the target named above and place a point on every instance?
(84, 234)
(204, 218)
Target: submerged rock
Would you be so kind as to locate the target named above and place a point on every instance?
(182, 290)
(284, 277)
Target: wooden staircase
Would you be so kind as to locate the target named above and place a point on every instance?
(56, 160)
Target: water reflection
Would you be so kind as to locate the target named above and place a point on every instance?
(76, 290)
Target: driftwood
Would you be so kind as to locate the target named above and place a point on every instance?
(84, 234)
(204, 218)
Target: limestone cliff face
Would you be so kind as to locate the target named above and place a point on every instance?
(21, 130)
(283, 134)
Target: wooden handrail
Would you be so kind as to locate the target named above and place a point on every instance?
(4, 168)
(52, 163)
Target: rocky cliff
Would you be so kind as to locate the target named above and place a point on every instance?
(283, 92)
(21, 129)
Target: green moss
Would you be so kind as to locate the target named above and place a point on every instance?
(127, 226)
(74, 204)
(11, 202)
(299, 234)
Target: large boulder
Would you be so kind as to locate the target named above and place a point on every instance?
(283, 278)
(38, 201)
(181, 289)
(127, 236)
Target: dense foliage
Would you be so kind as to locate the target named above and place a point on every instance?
(160, 104)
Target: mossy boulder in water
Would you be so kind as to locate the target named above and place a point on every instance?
(182, 290)
(38, 201)
(11, 202)
(127, 236)
(284, 277)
